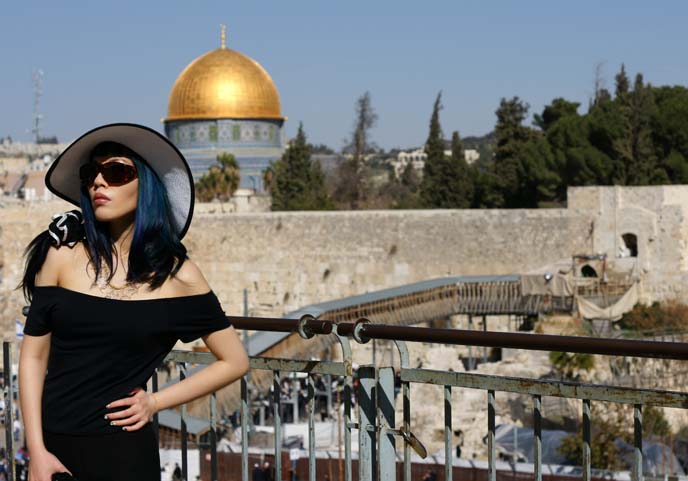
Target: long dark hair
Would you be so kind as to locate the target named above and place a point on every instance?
(156, 251)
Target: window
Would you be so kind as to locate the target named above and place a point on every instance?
(630, 248)
(588, 271)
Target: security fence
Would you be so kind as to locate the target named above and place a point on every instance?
(385, 444)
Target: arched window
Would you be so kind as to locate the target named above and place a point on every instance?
(588, 271)
(631, 244)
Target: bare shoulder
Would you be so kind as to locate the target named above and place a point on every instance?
(189, 280)
(56, 261)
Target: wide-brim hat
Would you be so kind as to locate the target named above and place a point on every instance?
(152, 147)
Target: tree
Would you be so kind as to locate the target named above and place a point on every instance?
(600, 93)
(350, 188)
(221, 180)
(434, 170)
(571, 366)
(558, 109)
(296, 182)
(605, 452)
(511, 136)
(541, 181)
(461, 187)
(634, 147)
(622, 82)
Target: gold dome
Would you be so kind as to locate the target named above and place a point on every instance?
(223, 83)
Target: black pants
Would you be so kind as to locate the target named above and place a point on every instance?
(108, 457)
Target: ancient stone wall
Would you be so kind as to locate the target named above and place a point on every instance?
(292, 259)
(288, 260)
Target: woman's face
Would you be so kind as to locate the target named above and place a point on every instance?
(112, 202)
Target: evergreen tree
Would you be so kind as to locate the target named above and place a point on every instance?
(541, 181)
(460, 181)
(553, 112)
(298, 183)
(622, 82)
(511, 136)
(221, 180)
(350, 189)
(431, 193)
(410, 178)
(404, 191)
(634, 147)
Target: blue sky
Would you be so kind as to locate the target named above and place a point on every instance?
(117, 61)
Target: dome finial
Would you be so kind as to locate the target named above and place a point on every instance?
(223, 35)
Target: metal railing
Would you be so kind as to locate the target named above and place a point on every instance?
(377, 428)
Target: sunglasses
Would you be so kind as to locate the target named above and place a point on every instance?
(114, 173)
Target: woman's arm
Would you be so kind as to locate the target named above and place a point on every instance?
(33, 362)
(231, 364)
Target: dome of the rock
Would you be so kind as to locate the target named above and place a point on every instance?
(225, 102)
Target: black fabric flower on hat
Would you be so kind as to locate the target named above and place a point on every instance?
(67, 228)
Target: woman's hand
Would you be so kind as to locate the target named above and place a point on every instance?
(43, 465)
(142, 407)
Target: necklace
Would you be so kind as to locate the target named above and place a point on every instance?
(111, 291)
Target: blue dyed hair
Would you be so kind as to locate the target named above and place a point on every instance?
(156, 251)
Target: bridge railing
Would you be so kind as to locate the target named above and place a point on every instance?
(379, 433)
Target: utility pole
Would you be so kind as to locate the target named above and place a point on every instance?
(37, 94)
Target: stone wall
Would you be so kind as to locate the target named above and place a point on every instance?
(288, 260)
(292, 259)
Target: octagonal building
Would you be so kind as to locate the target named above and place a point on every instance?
(225, 101)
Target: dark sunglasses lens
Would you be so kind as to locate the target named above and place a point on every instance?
(87, 173)
(116, 173)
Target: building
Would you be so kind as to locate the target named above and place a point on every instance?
(418, 157)
(224, 101)
(22, 178)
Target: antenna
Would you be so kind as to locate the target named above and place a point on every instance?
(37, 93)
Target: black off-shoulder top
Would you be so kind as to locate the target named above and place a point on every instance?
(101, 349)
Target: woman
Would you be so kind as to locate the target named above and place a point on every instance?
(111, 291)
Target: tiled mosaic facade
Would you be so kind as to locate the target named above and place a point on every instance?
(254, 143)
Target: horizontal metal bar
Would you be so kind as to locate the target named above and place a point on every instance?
(537, 342)
(192, 357)
(548, 388)
(296, 365)
(315, 326)
(267, 363)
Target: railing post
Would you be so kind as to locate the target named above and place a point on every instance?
(244, 413)
(213, 436)
(345, 344)
(537, 432)
(638, 443)
(311, 428)
(387, 460)
(404, 363)
(448, 451)
(9, 409)
(586, 440)
(185, 452)
(366, 423)
(491, 447)
(276, 416)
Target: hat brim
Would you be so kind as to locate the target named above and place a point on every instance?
(62, 179)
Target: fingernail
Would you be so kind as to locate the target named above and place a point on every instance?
(112, 423)
(124, 428)
(107, 406)
(105, 417)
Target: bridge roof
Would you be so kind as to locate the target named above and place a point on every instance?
(262, 340)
